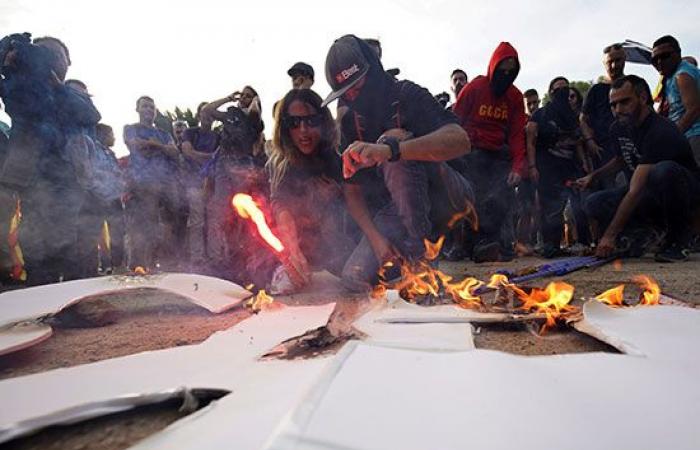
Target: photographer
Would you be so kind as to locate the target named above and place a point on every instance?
(36, 166)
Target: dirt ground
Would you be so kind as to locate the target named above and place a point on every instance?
(143, 320)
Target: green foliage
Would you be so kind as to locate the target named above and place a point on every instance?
(582, 86)
(179, 114)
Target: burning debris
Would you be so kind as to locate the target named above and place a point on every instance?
(261, 301)
(419, 279)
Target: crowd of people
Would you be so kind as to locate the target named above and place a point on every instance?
(612, 173)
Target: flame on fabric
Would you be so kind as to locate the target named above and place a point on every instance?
(247, 208)
(613, 297)
(260, 302)
(652, 292)
(552, 301)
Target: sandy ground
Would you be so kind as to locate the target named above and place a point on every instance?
(150, 320)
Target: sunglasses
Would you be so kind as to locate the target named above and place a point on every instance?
(312, 121)
(661, 56)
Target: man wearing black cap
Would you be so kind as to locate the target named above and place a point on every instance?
(400, 139)
(302, 75)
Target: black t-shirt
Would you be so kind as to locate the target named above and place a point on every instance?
(294, 184)
(416, 111)
(657, 139)
(597, 107)
(552, 138)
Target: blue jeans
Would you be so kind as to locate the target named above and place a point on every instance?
(424, 197)
(672, 193)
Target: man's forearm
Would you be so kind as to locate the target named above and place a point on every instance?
(446, 143)
(624, 212)
(611, 167)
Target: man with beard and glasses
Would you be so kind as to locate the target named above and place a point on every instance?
(681, 89)
(596, 117)
(664, 185)
(491, 110)
(400, 139)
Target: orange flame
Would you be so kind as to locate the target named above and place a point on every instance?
(652, 291)
(497, 280)
(469, 213)
(552, 301)
(260, 301)
(18, 272)
(613, 297)
(248, 209)
(138, 270)
(617, 265)
(432, 250)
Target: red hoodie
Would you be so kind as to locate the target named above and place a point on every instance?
(491, 121)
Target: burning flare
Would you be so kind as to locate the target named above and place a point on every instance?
(613, 297)
(247, 208)
(469, 213)
(652, 292)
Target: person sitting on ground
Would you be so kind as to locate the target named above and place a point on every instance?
(532, 101)
(664, 177)
(681, 89)
(302, 75)
(400, 137)
(556, 157)
(491, 110)
(596, 117)
(305, 189)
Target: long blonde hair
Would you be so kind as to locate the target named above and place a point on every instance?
(284, 153)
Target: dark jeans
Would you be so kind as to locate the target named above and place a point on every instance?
(424, 197)
(49, 231)
(488, 171)
(672, 193)
(555, 172)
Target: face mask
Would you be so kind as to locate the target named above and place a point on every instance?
(501, 81)
(560, 95)
(370, 93)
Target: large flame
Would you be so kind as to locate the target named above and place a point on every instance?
(18, 272)
(247, 208)
(652, 292)
(613, 297)
(553, 301)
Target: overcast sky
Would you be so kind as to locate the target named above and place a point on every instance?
(183, 52)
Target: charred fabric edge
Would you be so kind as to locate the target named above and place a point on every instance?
(191, 400)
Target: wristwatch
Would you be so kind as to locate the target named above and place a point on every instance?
(393, 144)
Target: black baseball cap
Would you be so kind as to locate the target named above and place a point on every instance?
(301, 68)
(345, 65)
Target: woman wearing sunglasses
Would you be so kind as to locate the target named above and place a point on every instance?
(305, 175)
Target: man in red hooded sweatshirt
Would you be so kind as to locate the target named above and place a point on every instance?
(491, 110)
